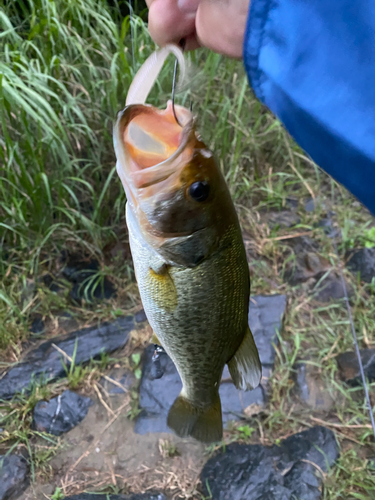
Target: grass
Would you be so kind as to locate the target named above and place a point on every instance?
(64, 72)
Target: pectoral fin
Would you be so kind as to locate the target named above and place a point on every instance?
(161, 287)
(245, 367)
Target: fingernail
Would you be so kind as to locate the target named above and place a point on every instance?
(188, 6)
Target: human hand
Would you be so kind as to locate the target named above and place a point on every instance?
(216, 24)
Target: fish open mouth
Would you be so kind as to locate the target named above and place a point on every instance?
(150, 144)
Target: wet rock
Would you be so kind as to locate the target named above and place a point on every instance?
(310, 387)
(140, 316)
(37, 325)
(291, 202)
(236, 404)
(266, 315)
(45, 362)
(61, 414)
(156, 395)
(50, 281)
(349, 367)
(328, 228)
(284, 472)
(363, 262)
(87, 284)
(13, 476)
(123, 377)
(310, 205)
(331, 288)
(283, 219)
(306, 265)
(135, 496)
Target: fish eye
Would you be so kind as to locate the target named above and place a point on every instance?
(199, 191)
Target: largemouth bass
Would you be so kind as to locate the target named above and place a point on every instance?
(188, 253)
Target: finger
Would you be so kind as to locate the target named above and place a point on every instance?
(168, 25)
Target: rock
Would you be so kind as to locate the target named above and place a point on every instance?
(328, 228)
(310, 205)
(50, 281)
(61, 414)
(307, 264)
(13, 476)
(265, 319)
(135, 496)
(124, 377)
(310, 387)
(45, 362)
(161, 384)
(291, 202)
(156, 395)
(349, 367)
(236, 403)
(285, 472)
(140, 316)
(83, 273)
(363, 262)
(37, 325)
(331, 288)
(283, 219)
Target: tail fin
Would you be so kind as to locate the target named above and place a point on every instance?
(205, 425)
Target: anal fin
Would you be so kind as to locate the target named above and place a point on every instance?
(245, 367)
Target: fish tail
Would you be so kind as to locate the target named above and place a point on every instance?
(203, 424)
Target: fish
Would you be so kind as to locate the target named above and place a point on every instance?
(188, 253)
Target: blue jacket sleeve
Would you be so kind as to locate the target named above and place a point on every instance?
(312, 62)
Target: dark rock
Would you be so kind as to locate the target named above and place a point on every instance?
(157, 366)
(124, 377)
(265, 319)
(285, 472)
(331, 288)
(37, 325)
(161, 384)
(87, 284)
(283, 219)
(13, 476)
(328, 228)
(235, 403)
(363, 262)
(61, 414)
(349, 367)
(98, 289)
(140, 316)
(134, 496)
(50, 281)
(310, 205)
(156, 394)
(310, 387)
(45, 362)
(291, 202)
(307, 264)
